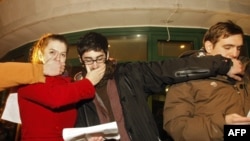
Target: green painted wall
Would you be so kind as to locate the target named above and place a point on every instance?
(153, 34)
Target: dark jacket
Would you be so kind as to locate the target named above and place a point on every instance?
(136, 81)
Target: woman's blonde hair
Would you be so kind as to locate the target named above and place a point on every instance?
(38, 49)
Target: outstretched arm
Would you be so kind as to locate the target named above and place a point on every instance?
(177, 70)
(13, 73)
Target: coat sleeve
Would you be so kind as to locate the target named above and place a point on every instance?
(13, 74)
(181, 121)
(177, 70)
(55, 95)
(156, 75)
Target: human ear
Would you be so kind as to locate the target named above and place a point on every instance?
(80, 59)
(208, 47)
(107, 55)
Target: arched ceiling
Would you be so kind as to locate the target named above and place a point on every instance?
(25, 21)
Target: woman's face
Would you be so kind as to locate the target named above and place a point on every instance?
(55, 49)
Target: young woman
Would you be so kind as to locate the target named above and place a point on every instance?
(47, 108)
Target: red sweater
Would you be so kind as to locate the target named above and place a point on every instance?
(47, 108)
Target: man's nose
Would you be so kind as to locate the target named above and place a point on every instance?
(234, 53)
(94, 65)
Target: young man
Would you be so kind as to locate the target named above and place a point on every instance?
(197, 110)
(122, 93)
(13, 73)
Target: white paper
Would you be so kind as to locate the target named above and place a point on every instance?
(248, 115)
(107, 130)
(11, 110)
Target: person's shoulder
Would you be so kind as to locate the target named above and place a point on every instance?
(78, 76)
(59, 78)
(192, 53)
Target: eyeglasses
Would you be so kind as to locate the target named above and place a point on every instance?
(91, 61)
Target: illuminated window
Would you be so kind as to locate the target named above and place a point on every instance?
(173, 48)
(128, 48)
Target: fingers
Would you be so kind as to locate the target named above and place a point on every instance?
(52, 58)
(236, 77)
(236, 70)
(53, 67)
(236, 119)
(101, 70)
(96, 138)
(95, 75)
(62, 68)
(241, 120)
(87, 68)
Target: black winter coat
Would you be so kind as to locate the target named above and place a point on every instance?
(135, 81)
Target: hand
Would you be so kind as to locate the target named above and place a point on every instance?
(95, 75)
(236, 70)
(100, 138)
(52, 67)
(95, 137)
(236, 119)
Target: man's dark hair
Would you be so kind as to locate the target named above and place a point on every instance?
(92, 41)
(221, 29)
